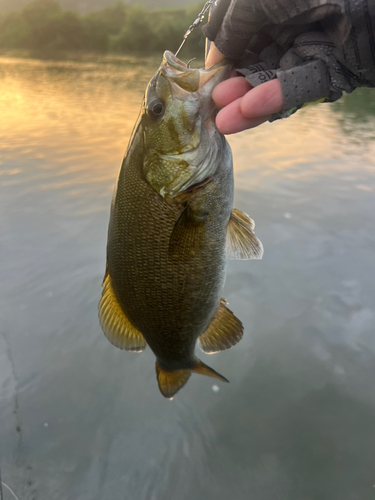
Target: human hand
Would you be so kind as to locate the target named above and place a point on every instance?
(290, 55)
(243, 106)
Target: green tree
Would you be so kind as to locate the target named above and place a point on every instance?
(41, 16)
(13, 30)
(100, 26)
(137, 34)
(69, 31)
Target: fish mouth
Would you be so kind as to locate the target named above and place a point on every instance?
(193, 80)
(174, 62)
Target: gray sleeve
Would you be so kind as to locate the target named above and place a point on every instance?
(234, 24)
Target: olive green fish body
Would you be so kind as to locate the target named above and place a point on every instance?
(170, 294)
(172, 228)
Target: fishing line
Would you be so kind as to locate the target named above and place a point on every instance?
(197, 22)
(7, 487)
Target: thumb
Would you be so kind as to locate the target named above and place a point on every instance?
(213, 57)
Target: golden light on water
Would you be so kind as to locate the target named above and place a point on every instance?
(81, 115)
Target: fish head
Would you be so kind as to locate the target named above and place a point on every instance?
(180, 137)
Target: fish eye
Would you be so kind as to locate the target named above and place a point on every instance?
(156, 109)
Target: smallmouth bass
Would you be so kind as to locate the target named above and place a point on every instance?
(173, 227)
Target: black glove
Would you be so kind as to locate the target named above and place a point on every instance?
(316, 51)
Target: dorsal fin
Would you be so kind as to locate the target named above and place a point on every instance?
(241, 240)
(224, 331)
(115, 325)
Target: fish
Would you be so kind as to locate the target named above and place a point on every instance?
(172, 229)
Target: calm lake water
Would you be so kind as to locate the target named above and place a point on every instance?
(82, 420)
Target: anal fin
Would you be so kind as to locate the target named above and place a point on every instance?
(115, 325)
(241, 240)
(224, 331)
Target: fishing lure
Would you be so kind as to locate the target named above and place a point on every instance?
(199, 20)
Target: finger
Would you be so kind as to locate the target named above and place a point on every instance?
(230, 119)
(228, 91)
(265, 99)
(213, 57)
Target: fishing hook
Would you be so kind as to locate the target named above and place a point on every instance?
(191, 60)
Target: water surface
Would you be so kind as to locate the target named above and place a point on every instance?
(82, 420)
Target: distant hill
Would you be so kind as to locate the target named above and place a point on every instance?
(85, 6)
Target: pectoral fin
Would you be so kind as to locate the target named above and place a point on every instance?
(116, 326)
(224, 331)
(241, 240)
(188, 233)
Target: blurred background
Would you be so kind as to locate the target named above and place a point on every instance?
(82, 420)
(47, 27)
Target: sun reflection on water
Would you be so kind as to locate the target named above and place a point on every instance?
(73, 119)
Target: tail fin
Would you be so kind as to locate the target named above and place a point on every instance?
(170, 382)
